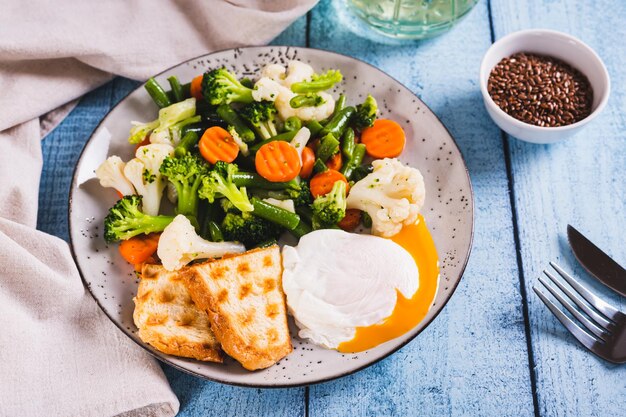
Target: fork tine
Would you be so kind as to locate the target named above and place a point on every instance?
(582, 336)
(605, 308)
(590, 325)
(573, 295)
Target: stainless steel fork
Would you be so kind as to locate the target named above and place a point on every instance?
(603, 328)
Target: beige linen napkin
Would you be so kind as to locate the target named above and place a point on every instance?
(59, 354)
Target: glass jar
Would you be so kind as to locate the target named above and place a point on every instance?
(411, 19)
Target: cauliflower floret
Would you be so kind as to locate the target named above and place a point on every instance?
(300, 140)
(393, 194)
(143, 173)
(320, 112)
(297, 71)
(271, 87)
(243, 146)
(281, 103)
(168, 117)
(266, 89)
(179, 244)
(275, 72)
(111, 174)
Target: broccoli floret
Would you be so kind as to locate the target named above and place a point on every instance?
(299, 193)
(329, 209)
(219, 183)
(125, 220)
(365, 113)
(318, 82)
(261, 115)
(301, 196)
(248, 229)
(222, 86)
(186, 174)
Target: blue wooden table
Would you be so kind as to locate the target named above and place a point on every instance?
(495, 350)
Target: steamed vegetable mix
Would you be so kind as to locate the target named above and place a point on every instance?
(245, 160)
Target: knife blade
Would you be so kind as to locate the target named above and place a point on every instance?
(598, 263)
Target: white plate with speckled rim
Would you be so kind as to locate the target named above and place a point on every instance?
(430, 148)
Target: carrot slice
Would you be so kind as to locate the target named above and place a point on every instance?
(139, 249)
(351, 220)
(308, 160)
(335, 162)
(385, 139)
(196, 87)
(277, 161)
(151, 260)
(322, 183)
(144, 142)
(216, 144)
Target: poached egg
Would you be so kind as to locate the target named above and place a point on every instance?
(337, 282)
(353, 292)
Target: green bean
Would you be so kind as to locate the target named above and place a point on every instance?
(209, 212)
(328, 147)
(340, 104)
(176, 130)
(275, 214)
(276, 194)
(361, 171)
(314, 126)
(254, 180)
(305, 213)
(292, 123)
(265, 244)
(355, 160)
(306, 100)
(348, 143)
(232, 118)
(285, 137)
(366, 219)
(215, 232)
(197, 128)
(186, 90)
(301, 229)
(186, 143)
(319, 166)
(338, 122)
(177, 89)
(157, 93)
(194, 222)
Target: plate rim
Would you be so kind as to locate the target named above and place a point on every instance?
(163, 357)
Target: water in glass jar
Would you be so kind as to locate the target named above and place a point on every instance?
(411, 19)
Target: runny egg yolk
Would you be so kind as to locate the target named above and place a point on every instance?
(407, 313)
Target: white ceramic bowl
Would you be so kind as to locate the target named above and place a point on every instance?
(558, 45)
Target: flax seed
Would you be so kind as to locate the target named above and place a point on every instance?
(540, 90)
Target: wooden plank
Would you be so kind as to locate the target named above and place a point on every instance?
(473, 359)
(580, 181)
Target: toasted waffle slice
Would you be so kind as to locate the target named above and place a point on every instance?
(246, 305)
(169, 320)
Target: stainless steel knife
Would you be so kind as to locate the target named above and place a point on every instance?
(598, 263)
